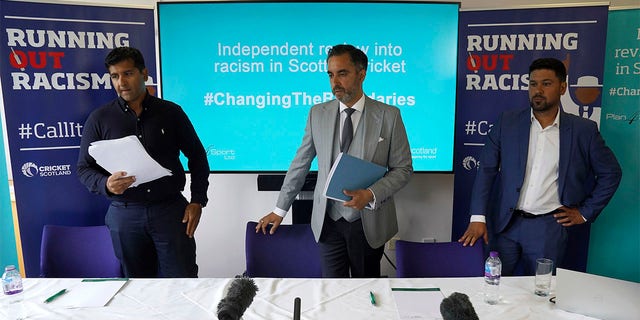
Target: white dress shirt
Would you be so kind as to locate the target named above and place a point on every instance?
(539, 193)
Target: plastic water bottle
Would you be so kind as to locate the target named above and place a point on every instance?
(11, 280)
(492, 271)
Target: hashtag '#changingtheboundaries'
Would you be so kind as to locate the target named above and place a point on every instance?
(208, 98)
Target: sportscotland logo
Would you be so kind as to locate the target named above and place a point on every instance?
(29, 169)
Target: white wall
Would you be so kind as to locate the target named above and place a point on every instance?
(424, 206)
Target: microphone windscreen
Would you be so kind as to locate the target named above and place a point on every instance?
(238, 298)
(457, 307)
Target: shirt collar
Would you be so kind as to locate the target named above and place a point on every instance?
(358, 106)
(146, 102)
(556, 121)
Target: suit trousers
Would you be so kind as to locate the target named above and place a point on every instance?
(345, 252)
(526, 239)
(150, 239)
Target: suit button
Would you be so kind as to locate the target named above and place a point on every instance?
(510, 209)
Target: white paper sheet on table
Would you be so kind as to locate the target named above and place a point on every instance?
(127, 154)
(418, 303)
(90, 293)
(320, 299)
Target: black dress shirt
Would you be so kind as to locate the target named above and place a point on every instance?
(164, 130)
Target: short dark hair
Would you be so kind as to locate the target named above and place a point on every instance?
(120, 54)
(551, 64)
(358, 57)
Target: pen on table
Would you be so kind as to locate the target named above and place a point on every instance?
(373, 298)
(56, 295)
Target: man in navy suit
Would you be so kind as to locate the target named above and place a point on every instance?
(554, 171)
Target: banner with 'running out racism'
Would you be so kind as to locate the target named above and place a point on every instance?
(53, 76)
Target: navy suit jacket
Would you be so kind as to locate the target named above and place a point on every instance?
(588, 175)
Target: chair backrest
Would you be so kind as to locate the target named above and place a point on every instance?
(438, 260)
(77, 252)
(291, 252)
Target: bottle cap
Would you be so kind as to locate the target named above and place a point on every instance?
(9, 267)
(493, 254)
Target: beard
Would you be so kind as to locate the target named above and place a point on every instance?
(542, 105)
(343, 95)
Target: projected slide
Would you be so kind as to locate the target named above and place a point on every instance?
(248, 73)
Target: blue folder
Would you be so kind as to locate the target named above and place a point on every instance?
(351, 173)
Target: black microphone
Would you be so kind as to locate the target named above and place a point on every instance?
(239, 297)
(296, 308)
(457, 307)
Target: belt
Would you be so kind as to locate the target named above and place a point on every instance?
(145, 203)
(529, 215)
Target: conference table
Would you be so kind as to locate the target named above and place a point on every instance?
(320, 299)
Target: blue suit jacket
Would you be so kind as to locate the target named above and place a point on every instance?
(588, 175)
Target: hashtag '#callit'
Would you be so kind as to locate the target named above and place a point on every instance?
(25, 131)
(470, 127)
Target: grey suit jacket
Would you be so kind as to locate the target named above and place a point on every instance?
(385, 144)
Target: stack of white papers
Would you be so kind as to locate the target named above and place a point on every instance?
(109, 154)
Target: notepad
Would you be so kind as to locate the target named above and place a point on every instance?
(90, 293)
(418, 303)
(351, 173)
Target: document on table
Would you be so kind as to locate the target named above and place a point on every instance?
(127, 154)
(90, 293)
(418, 303)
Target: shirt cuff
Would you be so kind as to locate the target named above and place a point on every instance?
(280, 212)
(478, 218)
(372, 204)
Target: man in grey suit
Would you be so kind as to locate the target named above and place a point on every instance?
(351, 237)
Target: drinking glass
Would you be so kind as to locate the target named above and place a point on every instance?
(544, 269)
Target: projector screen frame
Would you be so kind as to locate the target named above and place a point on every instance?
(213, 169)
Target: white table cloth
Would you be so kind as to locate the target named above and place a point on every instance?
(322, 299)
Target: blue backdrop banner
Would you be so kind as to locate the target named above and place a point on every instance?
(53, 75)
(495, 50)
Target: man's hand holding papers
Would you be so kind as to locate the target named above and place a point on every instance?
(119, 181)
(136, 168)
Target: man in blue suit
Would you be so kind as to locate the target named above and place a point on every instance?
(554, 171)
(351, 237)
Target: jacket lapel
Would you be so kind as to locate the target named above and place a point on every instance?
(372, 124)
(566, 131)
(328, 124)
(524, 130)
